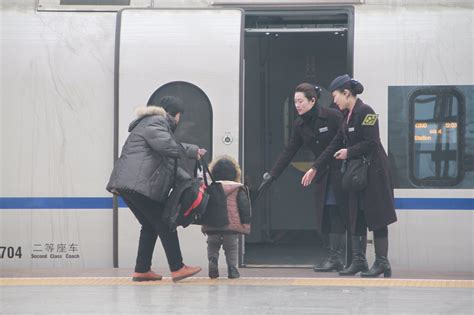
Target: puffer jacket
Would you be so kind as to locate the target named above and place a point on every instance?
(146, 164)
(239, 210)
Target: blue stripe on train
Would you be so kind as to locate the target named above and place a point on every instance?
(435, 203)
(58, 203)
(106, 203)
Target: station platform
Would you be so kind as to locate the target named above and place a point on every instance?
(258, 291)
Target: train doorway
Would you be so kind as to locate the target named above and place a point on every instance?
(281, 51)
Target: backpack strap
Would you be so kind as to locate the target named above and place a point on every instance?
(175, 172)
(197, 167)
(196, 202)
(206, 171)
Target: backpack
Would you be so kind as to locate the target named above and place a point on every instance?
(216, 211)
(186, 203)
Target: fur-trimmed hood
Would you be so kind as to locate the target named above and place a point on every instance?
(143, 111)
(146, 111)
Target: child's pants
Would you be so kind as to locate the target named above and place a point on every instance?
(230, 243)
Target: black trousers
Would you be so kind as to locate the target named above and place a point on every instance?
(361, 227)
(333, 221)
(148, 212)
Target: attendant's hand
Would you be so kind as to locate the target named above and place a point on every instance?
(308, 177)
(341, 154)
(266, 182)
(201, 153)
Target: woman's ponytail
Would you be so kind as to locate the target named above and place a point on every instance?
(356, 87)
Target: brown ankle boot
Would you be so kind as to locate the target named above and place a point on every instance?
(184, 272)
(146, 276)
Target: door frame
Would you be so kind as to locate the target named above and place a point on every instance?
(298, 11)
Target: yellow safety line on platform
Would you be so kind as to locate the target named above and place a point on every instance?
(338, 282)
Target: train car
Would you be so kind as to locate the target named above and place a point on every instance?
(74, 70)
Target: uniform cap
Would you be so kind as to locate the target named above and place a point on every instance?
(339, 82)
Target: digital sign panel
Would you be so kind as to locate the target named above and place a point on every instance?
(428, 134)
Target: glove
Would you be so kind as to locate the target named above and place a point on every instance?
(266, 182)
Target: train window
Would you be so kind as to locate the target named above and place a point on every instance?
(196, 123)
(91, 5)
(437, 119)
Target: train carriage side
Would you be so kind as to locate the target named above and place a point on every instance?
(57, 92)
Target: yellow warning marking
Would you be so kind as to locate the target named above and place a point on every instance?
(335, 282)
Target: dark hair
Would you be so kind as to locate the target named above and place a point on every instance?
(354, 87)
(172, 105)
(310, 91)
(224, 169)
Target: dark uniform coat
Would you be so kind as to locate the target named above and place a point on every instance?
(316, 134)
(361, 137)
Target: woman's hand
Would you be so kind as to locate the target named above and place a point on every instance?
(341, 154)
(201, 153)
(266, 182)
(308, 177)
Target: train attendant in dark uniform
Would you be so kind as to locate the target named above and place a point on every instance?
(373, 206)
(315, 127)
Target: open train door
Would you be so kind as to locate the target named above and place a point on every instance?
(195, 54)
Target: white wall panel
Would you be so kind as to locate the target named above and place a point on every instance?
(56, 128)
(411, 46)
(419, 45)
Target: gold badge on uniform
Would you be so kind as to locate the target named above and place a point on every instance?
(370, 120)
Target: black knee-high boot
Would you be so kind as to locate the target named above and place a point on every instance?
(381, 264)
(334, 260)
(359, 262)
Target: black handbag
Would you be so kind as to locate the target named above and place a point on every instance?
(216, 211)
(355, 175)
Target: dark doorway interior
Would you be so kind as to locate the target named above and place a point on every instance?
(283, 226)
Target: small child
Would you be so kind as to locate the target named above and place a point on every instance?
(227, 172)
